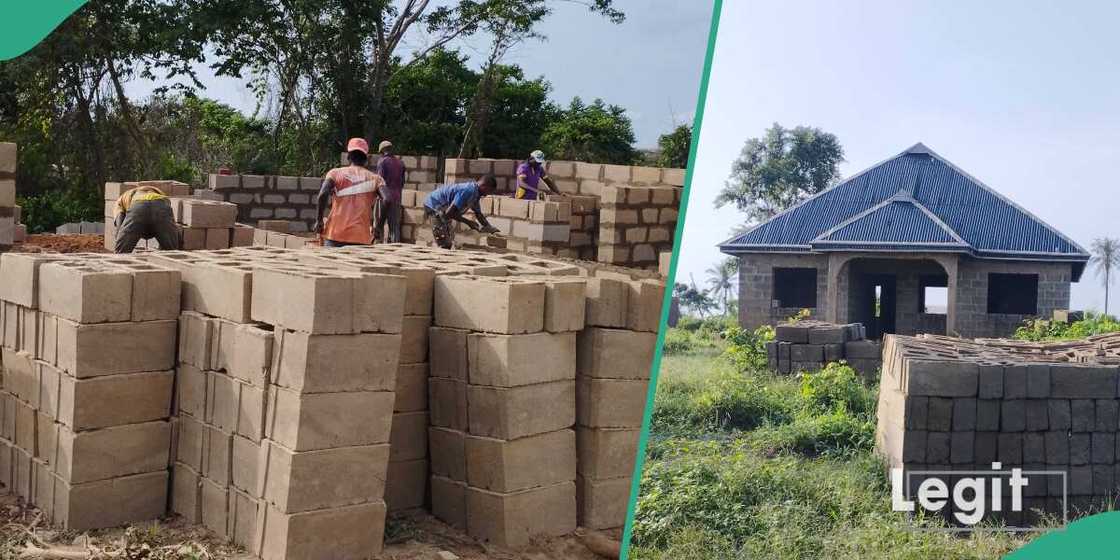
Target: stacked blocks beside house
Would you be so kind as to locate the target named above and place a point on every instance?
(83, 333)
(957, 404)
(807, 346)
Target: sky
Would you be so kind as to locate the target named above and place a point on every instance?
(1024, 96)
(650, 64)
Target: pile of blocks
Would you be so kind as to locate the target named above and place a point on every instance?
(203, 224)
(636, 224)
(614, 356)
(88, 353)
(9, 214)
(952, 404)
(584, 236)
(281, 234)
(807, 346)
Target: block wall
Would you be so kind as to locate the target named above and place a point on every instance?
(973, 319)
(9, 212)
(571, 177)
(82, 334)
(636, 224)
(955, 404)
(756, 287)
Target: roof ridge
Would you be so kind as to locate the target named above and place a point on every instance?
(902, 197)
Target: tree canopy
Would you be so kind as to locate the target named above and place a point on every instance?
(780, 169)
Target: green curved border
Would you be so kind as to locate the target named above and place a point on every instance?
(23, 24)
(1087, 538)
(669, 282)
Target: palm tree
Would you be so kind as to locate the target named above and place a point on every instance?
(721, 280)
(1106, 256)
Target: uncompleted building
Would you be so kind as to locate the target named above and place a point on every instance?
(874, 247)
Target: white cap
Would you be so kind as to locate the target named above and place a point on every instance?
(537, 156)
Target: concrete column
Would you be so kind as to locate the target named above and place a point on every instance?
(949, 263)
(836, 263)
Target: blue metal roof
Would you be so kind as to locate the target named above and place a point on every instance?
(915, 199)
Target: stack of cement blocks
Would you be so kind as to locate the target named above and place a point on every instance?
(807, 346)
(8, 214)
(208, 224)
(637, 223)
(533, 226)
(952, 404)
(260, 197)
(285, 403)
(503, 403)
(88, 352)
(82, 228)
(576, 177)
(615, 356)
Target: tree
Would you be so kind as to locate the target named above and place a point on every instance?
(1106, 256)
(597, 132)
(721, 281)
(674, 147)
(697, 300)
(780, 169)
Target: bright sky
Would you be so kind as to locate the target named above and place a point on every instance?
(650, 64)
(1024, 96)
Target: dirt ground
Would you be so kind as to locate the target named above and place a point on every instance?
(413, 537)
(55, 243)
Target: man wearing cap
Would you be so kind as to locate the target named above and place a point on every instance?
(144, 213)
(448, 203)
(530, 174)
(391, 169)
(351, 192)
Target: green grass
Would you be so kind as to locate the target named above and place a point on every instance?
(759, 465)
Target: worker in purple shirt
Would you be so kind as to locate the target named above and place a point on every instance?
(530, 174)
(391, 169)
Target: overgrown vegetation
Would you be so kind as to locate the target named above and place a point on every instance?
(1093, 323)
(747, 463)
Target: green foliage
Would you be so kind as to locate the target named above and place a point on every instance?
(747, 349)
(1038, 330)
(699, 301)
(597, 132)
(780, 169)
(835, 433)
(680, 341)
(673, 147)
(836, 388)
(723, 402)
(44, 212)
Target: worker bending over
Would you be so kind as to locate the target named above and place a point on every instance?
(143, 213)
(530, 175)
(351, 192)
(448, 203)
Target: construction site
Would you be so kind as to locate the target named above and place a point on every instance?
(293, 401)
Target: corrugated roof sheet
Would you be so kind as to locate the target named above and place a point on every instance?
(987, 223)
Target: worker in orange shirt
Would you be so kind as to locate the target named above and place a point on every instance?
(351, 192)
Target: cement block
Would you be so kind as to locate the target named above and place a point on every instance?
(447, 403)
(186, 493)
(489, 304)
(246, 352)
(414, 339)
(331, 363)
(447, 351)
(21, 274)
(406, 486)
(510, 413)
(644, 305)
(449, 501)
(347, 532)
(95, 350)
(305, 422)
(409, 436)
(215, 507)
(328, 478)
(87, 404)
(247, 462)
(448, 453)
(510, 520)
(615, 353)
(602, 502)
(207, 213)
(607, 302)
(530, 462)
(565, 306)
(112, 452)
(112, 502)
(1083, 381)
(411, 388)
(610, 403)
(516, 360)
(85, 293)
(607, 453)
(243, 514)
(942, 379)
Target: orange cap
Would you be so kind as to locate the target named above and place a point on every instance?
(359, 144)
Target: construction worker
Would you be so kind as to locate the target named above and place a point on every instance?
(448, 203)
(530, 174)
(351, 191)
(143, 213)
(391, 169)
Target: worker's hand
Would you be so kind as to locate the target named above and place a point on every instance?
(491, 229)
(318, 227)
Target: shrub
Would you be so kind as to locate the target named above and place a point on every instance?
(725, 402)
(836, 387)
(679, 341)
(747, 349)
(1092, 324)
(838, 433)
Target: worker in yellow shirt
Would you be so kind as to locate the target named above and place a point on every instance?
(144, 213)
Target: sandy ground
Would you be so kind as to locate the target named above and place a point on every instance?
(53, 243)
(413, 537)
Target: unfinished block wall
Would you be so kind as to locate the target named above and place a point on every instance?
(83, 334)
(9, 213)
(807, 346)
(636, 224)
(954, 404)
(571, 177)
